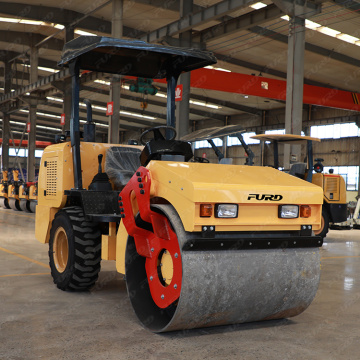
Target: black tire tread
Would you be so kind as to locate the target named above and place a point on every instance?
(325, 230)
(83, 273)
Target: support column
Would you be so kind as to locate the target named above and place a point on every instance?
(115, 89)
(34, 60)
(69, 35)
(31, 143)
(6, 120)
(183, 106)
(294, 86)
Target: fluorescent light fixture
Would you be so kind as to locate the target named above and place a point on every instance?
(348, 38)
(103, 82)
(48, 128)
(258, 5)
(137, 115)
(311, 25)
(217, 68)
(54, 99)
(10, 20)
(43, 68)
(102, 108)
(199, 103)
(31, 22)
(48, 115)
(328, 31)
(81, 32)
(97, 124)
(58, 26)
(47, 69)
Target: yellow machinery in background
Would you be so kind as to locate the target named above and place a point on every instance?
(200, 244)
(4, 185)
(13, 191)
(334, 188)
(28, 196)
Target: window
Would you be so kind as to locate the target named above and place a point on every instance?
(335, 131)
(23, 152)
(277, 131)
(204, 143)
(349, 173)
(231, 141)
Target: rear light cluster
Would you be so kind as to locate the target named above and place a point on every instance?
(230, 211)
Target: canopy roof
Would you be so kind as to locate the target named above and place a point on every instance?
(132, 57)
(214, 132)
(285, 138)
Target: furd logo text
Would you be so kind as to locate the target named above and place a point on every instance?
(266, 197)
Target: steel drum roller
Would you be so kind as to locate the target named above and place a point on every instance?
(226, 287)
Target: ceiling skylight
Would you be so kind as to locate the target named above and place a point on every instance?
(258, 5)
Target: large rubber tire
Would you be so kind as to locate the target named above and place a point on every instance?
(74, 250)
(15, 204)
(324, 224)
(4, 203)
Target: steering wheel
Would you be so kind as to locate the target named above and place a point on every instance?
(201, 159)
(157, 135)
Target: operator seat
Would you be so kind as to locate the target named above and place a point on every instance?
(298, 170)
(160, 149)
(121, 163)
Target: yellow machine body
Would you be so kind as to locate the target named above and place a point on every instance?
(22, 193)
(334, 187)
(185, 186)
(56, 175)
(3, 193)
(11, 192)
(33, 195)
(5, 179)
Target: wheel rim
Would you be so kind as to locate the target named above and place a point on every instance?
(322, 226)
(61, 249)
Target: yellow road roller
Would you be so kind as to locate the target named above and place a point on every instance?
(4, 186)
(28, 196)
(334, 208)
(199, 244)
(13, 191)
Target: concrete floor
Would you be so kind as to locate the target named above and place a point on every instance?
(38, 321)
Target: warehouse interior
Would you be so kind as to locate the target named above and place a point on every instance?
(282, 67)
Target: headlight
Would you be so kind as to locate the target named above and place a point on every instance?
(226, 210)
(288, 211)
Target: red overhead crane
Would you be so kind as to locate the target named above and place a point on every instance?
(24, 143)
(237, 83)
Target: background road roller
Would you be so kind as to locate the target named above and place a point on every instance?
(200, 244)
(28, 196)
(334, 208)
(4, 186)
